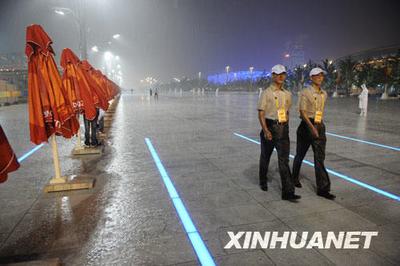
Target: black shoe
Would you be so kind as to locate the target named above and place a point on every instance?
(264, 187)
(96, 144)
(291, 197)
(326, 195)
(298, 184)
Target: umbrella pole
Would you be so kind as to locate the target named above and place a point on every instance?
(57, 179)
(79, 141)
(59, 183)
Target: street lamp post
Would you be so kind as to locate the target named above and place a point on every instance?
(227, 73)
(199, 74)
(251, 77)
(83, 31)
(80, 20)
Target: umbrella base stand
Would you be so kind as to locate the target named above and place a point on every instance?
(69, 183)
(101, 136)
(83, 150)
(107, 124)
(44, 262)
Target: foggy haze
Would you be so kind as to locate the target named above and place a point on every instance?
(175, 38)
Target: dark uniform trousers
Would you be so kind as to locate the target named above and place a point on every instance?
(90, 130)
(304, 140)
(280, 141)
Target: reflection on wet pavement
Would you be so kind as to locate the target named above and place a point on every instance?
(128, 217)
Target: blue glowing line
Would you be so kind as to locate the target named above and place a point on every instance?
(340, 175)
(29, 153)
(246, 138)
(197, 242)
(364, 141)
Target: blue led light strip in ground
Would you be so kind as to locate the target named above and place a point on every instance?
(29, 153)
(364, 141)
(340, 175)
(199, 247)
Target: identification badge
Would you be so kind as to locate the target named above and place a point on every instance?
(282, 115)
(318, 117)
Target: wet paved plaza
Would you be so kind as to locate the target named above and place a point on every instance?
(129, 218)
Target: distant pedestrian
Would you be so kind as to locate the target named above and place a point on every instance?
(156, 93)
(363, 100)
(151, 92)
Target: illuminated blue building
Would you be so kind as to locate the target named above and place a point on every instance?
(223, 78)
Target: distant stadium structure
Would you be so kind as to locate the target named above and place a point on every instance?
(225, 78)
(374, 54)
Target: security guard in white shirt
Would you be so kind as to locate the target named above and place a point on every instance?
(273, 114)
(311, 132)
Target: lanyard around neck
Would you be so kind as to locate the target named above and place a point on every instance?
(322, 102)
(277, 101)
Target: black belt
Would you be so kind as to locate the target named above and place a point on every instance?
(312, 121)
(275, 122)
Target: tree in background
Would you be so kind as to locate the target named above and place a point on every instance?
(296, 78)
(369, 75)
(347, 73)
(331, 75)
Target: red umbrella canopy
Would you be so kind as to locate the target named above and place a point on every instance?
(111, 88)
(8, 160)
(114, 88)
(99, 89)
(49, 109)
(77, 88)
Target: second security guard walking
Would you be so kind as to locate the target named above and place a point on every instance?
(311, 131)
(273, 114)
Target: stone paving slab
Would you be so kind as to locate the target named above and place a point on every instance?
(128, 218)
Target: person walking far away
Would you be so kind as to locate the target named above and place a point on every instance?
(311, 131)
(273, 114)
(363, 100)
(156, 93)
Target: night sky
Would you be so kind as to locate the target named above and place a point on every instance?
(172, 38)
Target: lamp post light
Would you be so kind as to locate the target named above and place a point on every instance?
(227, 73)
(59, 12)
(95, 49)
(79, 17)
(199, 75)
(251, 77)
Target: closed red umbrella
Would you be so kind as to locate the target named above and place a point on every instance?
(8, 160)
(99, 89)
(76, 85)
(112, 89)
(115, 89)
(49, 109)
